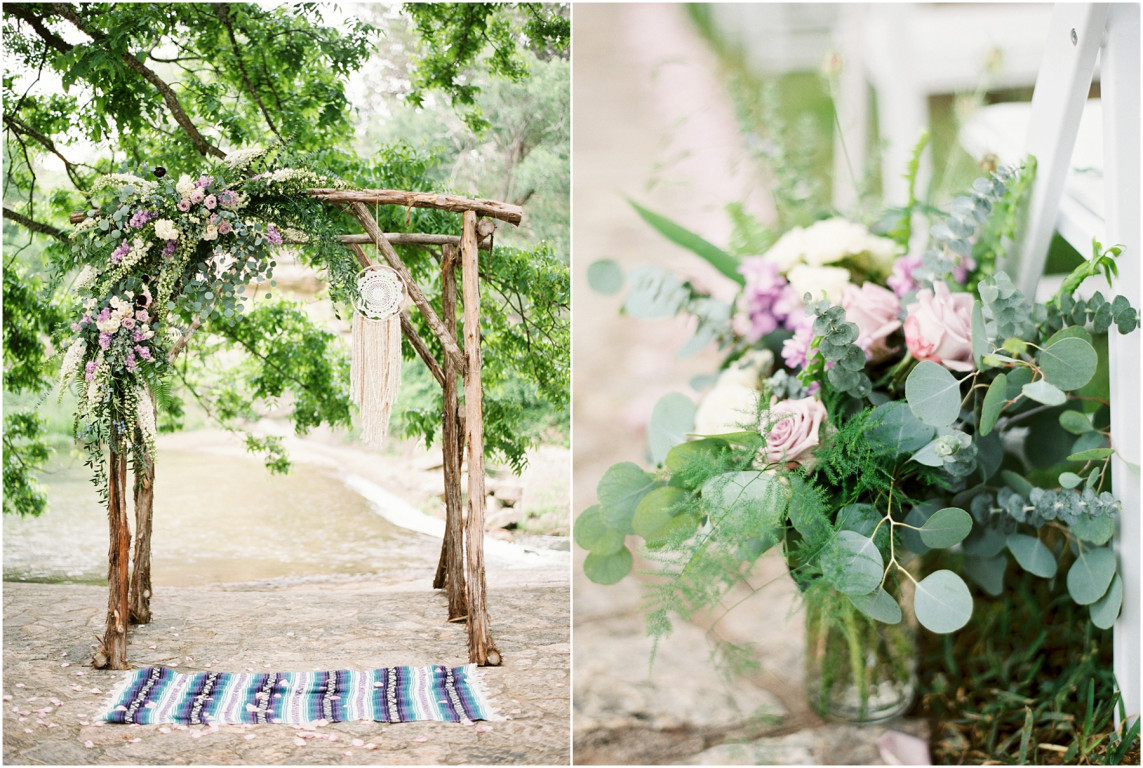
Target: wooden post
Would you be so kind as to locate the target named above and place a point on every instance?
(112, 653)
(481, 650)
(140, 589)
(450, 571)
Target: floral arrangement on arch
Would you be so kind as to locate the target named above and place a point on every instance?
(879, 399)
(159, 257)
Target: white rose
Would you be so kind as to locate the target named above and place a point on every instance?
(816, 280)
(110, 325)
(165, 229)
(211, 233)
(729, 407)
(185, 185)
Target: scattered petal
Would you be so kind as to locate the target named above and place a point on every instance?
(483, 728)
(7, 697)
(347, 753)
(421, 739)
(66, 664)
(299, 742)
(371, 745)
(358, 742)
(164, 729)
(89, 744)
(250, 736)
(135, 740)
(27, 730)
(20, 685)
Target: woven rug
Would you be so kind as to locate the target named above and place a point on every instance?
(387, 695)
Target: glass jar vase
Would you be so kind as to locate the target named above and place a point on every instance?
(857, 669)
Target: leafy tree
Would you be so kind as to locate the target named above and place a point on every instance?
(97, 88)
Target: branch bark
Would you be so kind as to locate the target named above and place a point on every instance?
(222, 10)
(174, 106)
(35, 226)
(513, 214)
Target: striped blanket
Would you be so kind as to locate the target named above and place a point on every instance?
(388, 695)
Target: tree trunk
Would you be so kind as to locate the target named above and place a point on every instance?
(450, 571)
(481, 649)
(140, 608)
(112, 653)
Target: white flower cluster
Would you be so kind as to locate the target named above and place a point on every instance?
(142, 186)
(83, 226)
(145, 419)
(71, 362)
(234, 201)
(93, 387)
(306, 177)
(165, 229)
(138, 250)
(828, 242)
(240, 158)
(86, 277)
(291, 235)
(185, 185)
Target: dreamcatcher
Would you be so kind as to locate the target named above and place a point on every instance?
(375, 372)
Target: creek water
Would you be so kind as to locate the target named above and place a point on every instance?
(218, 519)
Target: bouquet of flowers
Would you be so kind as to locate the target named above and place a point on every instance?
(160, 257)
(878, 401)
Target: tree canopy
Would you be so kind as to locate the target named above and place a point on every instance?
(92, 88)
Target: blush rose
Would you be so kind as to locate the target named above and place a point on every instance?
(875, 310)
(938, 328)
(794, 427)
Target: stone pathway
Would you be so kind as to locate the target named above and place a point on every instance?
(51, 694)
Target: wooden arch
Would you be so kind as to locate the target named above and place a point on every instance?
(460, 571)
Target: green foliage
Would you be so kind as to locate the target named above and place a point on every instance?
(455, 37)
(712, 254)
(902, 228)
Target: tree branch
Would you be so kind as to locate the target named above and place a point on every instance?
(222, 10)
(203, 146)
(35, 226)
(24, 11)
(20, 126)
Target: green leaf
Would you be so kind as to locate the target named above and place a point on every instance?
(656, 512)
(620, 490)
(750, 490)
(1091, 574)
(605, 276)
(608, 569)
(1032, 555)
(980, 343)
(1069, 480)
(1094, 530)
(718, 258)
(1076, 422)
(994, 400)
(946, 527)
(917, 517)
(933, 394)
(592, 534)
(1017, 378)
(1068, 363)
(878, 605)
(853, 564)
(672, 418)
(655, 293)
(1043, 392)
(988, 572)
(942, 602)
(896, 430)
(1017, 482)
(928, 455)
(1092, 454)
(684, 454)
(1105, 610)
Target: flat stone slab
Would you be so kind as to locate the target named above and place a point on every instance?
(52, 695)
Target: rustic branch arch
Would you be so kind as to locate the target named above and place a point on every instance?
(460, 571)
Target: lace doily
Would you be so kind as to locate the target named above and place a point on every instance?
(382, 292)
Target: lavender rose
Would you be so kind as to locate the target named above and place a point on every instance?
(875, 310)
(794, 426)
(939, 328)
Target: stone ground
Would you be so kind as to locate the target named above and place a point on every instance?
(51, 693)
(652, 123)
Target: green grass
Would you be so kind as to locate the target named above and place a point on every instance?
(1028, 681)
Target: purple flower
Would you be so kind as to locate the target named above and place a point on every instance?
(118, 254)
(104, 340)
(796, 350)
(142, 316)
(169, 249)
(128, 322)
(273, 236)
(184, 205)
(764, 297)
(197, 196)
(89, 370)
(85, 319)
(74, 327)
(964, 265)
(224, 227)
(210, 201)
(130, 364)
(139, 336)
(226, 197)
(901, 281)
(104, 314)
(204, 181)
(143, 352)
(140, 219)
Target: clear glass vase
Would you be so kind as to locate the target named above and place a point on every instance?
(858, 670)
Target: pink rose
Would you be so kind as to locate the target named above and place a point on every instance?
(875, 310)
(939, 328)
(224, 227)
(794, 426)
(197, 196)
(210, 201)
(184, 205)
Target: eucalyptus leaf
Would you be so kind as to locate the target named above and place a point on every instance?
(1032, 555)
(1092, 454)
(1105, 610)
(685, 454)
(916, 518)
(895, 430)
(655, 293)
(853, 564)
(605, 276)
(620, 490)
(942, 602)
(1068, 363)
(1076, 422)
(946, 527)
(878, 605)
(656, 512)
(1017, 482)
(1093, 530)
(594, 535)
(1043, 392)
(672, 418)
(933, 394)
(1069, 480)
(928, 455)
(608, 569)
(980, 343)
(994, 400)
(1091, 574)
(1017, 378)
(988, 572)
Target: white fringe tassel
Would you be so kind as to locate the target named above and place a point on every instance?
(375, 373)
